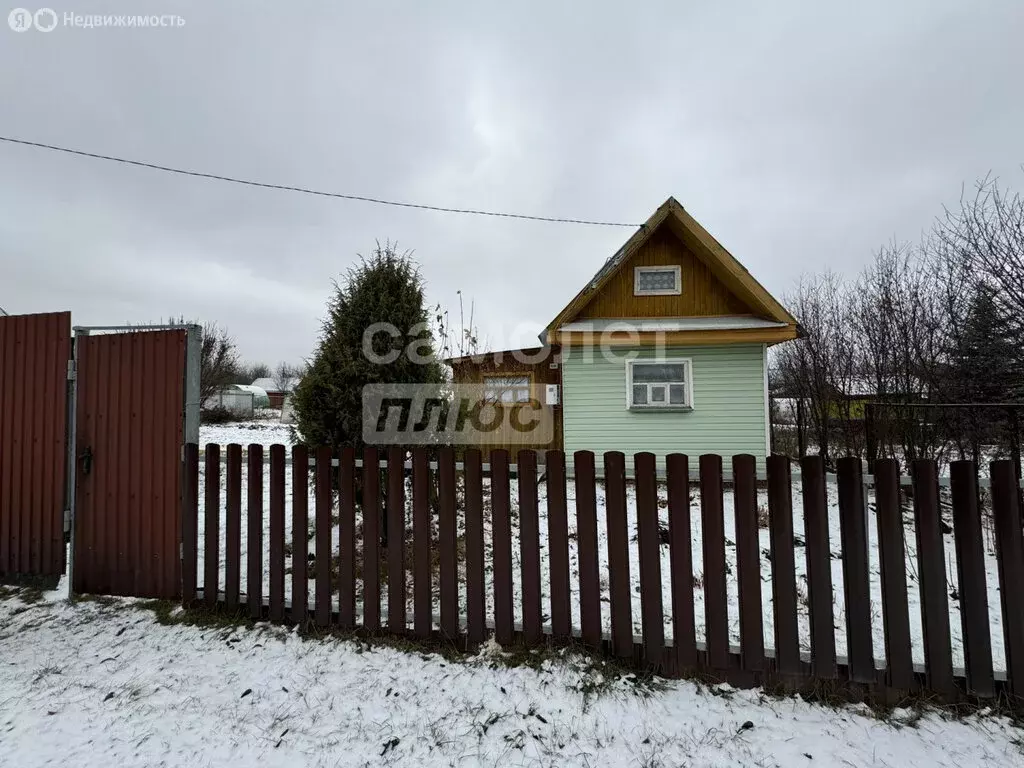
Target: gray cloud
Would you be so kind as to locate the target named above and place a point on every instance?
(800, 136)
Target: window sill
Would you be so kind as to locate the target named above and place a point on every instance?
(660, 408)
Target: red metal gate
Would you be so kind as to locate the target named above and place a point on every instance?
(34, 352)
(130, 409)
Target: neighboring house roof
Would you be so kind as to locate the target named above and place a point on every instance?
(270, 385)
(527, 354)
(867, 386)
(722, 264)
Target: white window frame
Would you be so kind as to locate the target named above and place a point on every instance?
(496, 393)
(687, 406)
(676, 291)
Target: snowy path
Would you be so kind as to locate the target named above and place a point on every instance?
(93, 686)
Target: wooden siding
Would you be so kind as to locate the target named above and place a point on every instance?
(469, 371)
(703, 294)
(728, 416)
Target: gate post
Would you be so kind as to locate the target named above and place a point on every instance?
(193, 364)
(72, 453)
(187, 541)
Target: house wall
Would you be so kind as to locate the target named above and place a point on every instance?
(703, 294)
(729, 413)
(539, 369)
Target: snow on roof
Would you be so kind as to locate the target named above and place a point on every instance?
(270, 385)
(256, 390)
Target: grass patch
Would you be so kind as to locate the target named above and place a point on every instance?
(101, 600)
(597, 676)
(30, 595)
(169, 613)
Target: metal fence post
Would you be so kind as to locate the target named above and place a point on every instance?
(193, 363)
(72, 452)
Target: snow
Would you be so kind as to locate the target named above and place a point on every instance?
(94, 685)
(245, 433)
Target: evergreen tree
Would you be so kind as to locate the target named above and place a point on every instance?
(385, 288)
(985, 367)
(986, 363)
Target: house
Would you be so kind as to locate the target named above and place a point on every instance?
(515, 376)
(277, 390)
(665, 350)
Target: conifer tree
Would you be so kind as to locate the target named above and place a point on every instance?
(385, 288)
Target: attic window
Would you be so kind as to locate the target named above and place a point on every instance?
(657, 281)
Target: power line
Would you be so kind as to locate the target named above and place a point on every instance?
(304, 190)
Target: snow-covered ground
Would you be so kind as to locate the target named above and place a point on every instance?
(878, 632)
(245, 433)
(92, 684)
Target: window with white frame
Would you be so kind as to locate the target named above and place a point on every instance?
(657, 281)
(507, 389)
(659, 384)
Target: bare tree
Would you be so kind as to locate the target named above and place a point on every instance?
(247, 373)
(986, 232)
(956, 284)
(819, 369)
(919, 326)
(901, 326)
(461, 342)
(285, 376)
(978, 249)
(218, 360)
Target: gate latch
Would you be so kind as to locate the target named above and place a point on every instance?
(86, 459)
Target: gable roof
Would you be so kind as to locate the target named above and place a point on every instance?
(721, 263)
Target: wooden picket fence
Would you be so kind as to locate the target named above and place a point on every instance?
(437, 503)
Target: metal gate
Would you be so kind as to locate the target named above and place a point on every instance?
(134, 392)
(34, 352)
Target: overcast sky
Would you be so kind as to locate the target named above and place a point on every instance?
(801, 137)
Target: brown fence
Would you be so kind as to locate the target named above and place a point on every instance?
(499, 549)
(34, 352)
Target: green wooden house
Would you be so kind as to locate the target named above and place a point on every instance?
(664, 350)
